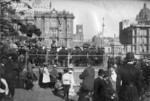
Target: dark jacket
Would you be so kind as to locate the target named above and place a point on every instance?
(131, 87)
(110, 91)
(88, 78)
(146, 76)
(99, 90)
(54, 75)
(11, 71)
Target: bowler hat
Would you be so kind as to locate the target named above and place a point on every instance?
(101, 72)
(129, 56)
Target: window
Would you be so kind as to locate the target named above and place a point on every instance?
(138, 32)
(133, 40)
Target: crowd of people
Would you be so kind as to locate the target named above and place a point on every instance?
(128, 80)
(61, 55)
(125, 79)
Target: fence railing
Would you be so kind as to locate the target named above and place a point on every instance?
(77, 60)
(64, 60)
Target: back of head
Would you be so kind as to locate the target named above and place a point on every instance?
(101, 72)
(129, 57)
(107, 73)
(66, 70)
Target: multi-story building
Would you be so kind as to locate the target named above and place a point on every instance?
(55, 25)
(136, 36)
(78, 37)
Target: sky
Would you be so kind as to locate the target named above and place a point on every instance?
(90, 13)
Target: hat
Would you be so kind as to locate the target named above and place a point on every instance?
(54, 66)
(101, 71)
(70, 66)
(129, 56)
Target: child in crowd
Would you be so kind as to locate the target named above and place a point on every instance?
(66, 79)
(28, 82)
(58, 88)
(71, 90)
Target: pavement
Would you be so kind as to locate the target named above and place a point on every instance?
(40, 94)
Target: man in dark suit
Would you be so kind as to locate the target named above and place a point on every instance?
(54, 76)
(62, 56)
(88, 82)
(11, 68)
(99, 87)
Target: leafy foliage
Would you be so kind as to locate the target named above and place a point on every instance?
(30, 29)
(9, 18)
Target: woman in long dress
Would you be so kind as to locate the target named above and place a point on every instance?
(46, 77)
(129, 85)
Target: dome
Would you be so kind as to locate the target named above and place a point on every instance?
(144, 12)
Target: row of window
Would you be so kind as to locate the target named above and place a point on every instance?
(139, 49)
(140, 32)
(140, 40)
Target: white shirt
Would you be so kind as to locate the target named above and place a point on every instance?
(66, 79)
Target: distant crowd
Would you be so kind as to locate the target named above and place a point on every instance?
(76, 56)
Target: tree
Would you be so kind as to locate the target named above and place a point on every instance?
(9, 26)
(9, 19)
(30, 29)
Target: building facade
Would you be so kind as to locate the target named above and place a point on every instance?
(136, 36)
(55, 25)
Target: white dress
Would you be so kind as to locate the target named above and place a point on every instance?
(46, 77)
(71, 90)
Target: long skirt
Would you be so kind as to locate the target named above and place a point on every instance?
(128, 93)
